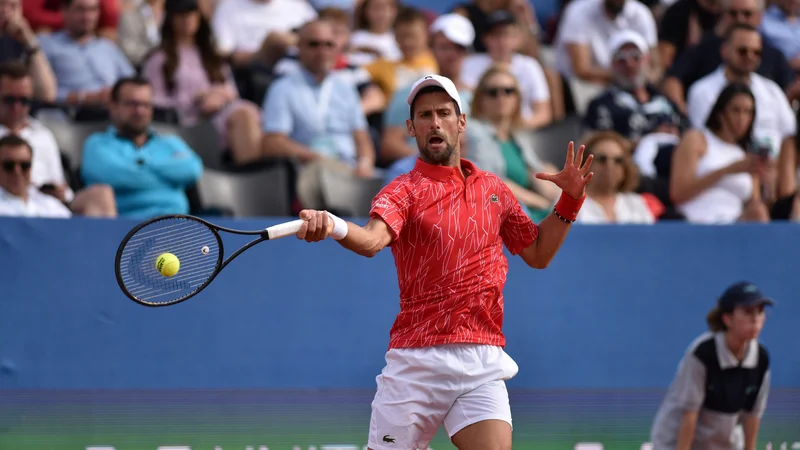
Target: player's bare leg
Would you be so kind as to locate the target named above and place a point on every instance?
(484, 435)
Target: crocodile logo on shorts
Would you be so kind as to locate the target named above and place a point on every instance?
(388, 438)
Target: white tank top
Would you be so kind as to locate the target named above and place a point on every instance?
(723, 202)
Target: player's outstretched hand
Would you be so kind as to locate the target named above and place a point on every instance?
(575, 175)
(318, 225)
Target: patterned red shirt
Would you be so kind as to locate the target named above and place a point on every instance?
(448, 249)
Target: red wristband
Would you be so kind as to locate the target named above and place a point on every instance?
(568, 207)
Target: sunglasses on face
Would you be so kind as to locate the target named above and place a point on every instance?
(12, 99)
(603, 159)
(496, 91)
(318, 44)
(744, 51)
(624, 55)
(9, 165)
(746, 13)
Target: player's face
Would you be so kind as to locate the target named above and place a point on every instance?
(746, 322)
(15, 169)
(437, 128)
(738, 115)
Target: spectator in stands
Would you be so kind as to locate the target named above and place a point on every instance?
(451, 37)
(46, 16)
(683, 25)
(581, 44)
(781, 26)
(314, 117)
(502, 38)
(706, 57)
(19, 43)
(86, 66)
(18, 197)
(189, 75)
(258, 31)
(498, 142)
(775, 125)
(374, 32)
(631, 106)
(610, 196)
(478, 12)
(716, 170)
(148, 171)
(47, 174)
(140, 29)
(410, 30)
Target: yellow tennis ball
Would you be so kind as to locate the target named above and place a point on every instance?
(168, 264)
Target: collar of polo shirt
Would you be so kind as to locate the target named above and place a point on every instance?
(443, 173)
(727, 360)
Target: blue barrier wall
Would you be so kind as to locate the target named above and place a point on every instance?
(287, 314)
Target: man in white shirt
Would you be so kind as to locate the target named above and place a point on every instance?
(775, 125)
(18, 197)
(47, 174)
(258, 31)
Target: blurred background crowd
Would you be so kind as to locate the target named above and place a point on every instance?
(136, 108)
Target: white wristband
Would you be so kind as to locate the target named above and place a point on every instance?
(339, 228)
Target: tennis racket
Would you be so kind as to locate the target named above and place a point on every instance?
(197, 245)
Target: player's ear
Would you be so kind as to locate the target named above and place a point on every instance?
(462, 123)
(410, 126)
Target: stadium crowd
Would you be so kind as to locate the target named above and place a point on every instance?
(136, 108)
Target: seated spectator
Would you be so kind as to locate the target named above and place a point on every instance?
(189, 75)
(148, 171)
(451, 38)
(258, 32)
(610, 196)
(140, 29)
(47, 16)
(18, 43)
(18, 197)
(314, 117)
(716, 170)
(86, 66)
(374, 34)
(410, 30)
(47, 175)
(478, 11)
(502, 38)
(683, 25)
(781, 27)
(497, 142)
(775, 125)
(581, 45)
(706, 57)
(631, 106)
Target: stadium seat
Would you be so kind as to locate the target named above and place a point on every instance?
(70, 137)
(252, 194)
(202, 138)
(550, 143)
(347, 195)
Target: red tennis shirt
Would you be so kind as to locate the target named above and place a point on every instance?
(448, 249)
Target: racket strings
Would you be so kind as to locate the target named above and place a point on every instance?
(185, 238)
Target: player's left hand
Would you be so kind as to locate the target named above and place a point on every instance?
(575, 175)
(317, 225)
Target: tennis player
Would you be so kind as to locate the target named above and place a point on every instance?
(720, 390)
(446, 222)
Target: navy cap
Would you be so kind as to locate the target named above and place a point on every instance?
(499, 18)
(743, 294)
(181, 6)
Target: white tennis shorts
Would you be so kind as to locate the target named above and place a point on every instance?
(423, 388)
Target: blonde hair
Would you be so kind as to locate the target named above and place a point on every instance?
(630, 180)
(476, 108)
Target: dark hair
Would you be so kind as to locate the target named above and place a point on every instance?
(14, 70)
(407, 15)
(361, 21)
(12, 140)
(134, 80)
(428, 90)
(334, 15)
(714, 121)
(714, 320)
(213, 62)
(739, 27)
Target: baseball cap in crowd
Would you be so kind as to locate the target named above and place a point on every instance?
(181, 6)
(624, 37)
(455, 27)
(743, 294)
(499, 18)
(435, 80)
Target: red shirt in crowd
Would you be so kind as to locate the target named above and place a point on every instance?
(47, 14)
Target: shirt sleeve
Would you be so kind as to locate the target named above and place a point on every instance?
(761, 401)
(698, 105)
(277, 117)
(539, 91)
(573, 27)
(689, 387)
(358, 120)
(392, 205)
(517, 229)
(223, 29)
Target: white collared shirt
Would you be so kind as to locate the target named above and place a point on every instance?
(37, 205)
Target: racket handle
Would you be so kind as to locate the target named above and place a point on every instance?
(284, 229)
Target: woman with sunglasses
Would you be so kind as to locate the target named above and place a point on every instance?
(719, 392)
(716, 172)
(610, 196)
(497, 142)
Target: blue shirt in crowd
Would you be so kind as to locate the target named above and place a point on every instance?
(322, 116)
(148, 181)
(782, 33)
(87, 67)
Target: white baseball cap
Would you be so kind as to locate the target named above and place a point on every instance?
(628, 36)
(455, 27)
(435, 80)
